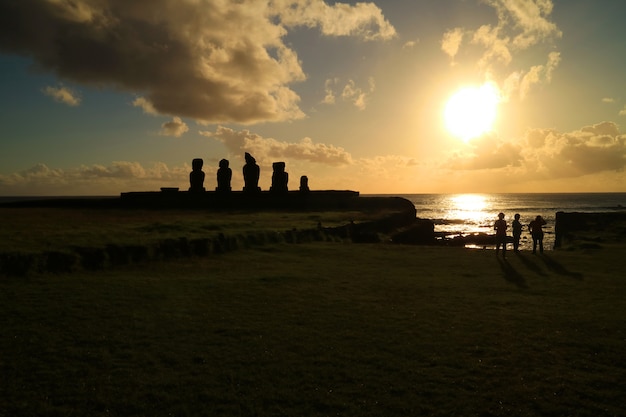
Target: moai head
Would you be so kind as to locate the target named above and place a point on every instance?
(304, 183)
(197, 164)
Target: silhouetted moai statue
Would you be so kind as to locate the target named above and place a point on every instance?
(304, 184)
(224, 175)
(251, 173)
(279, 178)
(196, 177)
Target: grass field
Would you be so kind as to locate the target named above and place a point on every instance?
(40, 229)
(321, 329)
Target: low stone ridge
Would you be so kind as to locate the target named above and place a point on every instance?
(240, 200)
(396, 213)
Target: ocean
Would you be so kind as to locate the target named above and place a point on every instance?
(475, 213)
(463, 214)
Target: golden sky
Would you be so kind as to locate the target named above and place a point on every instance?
(387, 97)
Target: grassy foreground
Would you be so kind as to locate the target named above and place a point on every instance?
(41, 229)
(321, 329)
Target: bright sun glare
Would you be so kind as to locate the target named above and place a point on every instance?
(471, 111)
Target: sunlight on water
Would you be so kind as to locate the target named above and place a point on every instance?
(464, 214)
(468, 207)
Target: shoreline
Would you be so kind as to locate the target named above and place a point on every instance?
(399, 225)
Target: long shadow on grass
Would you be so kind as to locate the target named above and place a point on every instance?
(511, 275)
(558, 268)
(530, 265)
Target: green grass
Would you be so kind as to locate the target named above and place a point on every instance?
(321, 329)
(44, 229)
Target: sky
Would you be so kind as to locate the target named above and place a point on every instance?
(99, 97)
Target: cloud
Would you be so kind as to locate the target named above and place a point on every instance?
(521, 25)
(549, 154)
(623, 111)
(211, 61)
(364, 20)
(94, 179)
(451, 42)
(145, 105)
(603, 128)
(486, 153)
(63, 95)
(350, 92)
(269, 149)
(329, 97)
(175, 128)
(410, 44)
(608, 100)
(529, 19)
(390, 173)
(538, 74)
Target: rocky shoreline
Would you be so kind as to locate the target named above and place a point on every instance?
(398, 225)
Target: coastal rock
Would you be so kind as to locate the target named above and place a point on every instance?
(422, 232)
(611, 225)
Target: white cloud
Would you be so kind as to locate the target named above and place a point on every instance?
(145, 105)
(269, 149)
(521, 25)
(538, 74)
(608, 100)
(623, 111)
(364, 20)
(213, 61)
(529, 18)
(350, 92)
(451, 42)
(497, 48)
(174, 128)
(118, 177)
(549, 154)
(63, 95)
(410, 44)
(329, 97)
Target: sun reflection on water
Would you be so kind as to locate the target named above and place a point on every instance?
(472, 208)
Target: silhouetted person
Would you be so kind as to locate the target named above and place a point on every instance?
(517, 232)
(224, 175)
(251, 173)
(536, 230)
(304, 183)
(196, 176)
(500, 227)
(279, 178)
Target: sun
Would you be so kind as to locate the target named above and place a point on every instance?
(471, 111)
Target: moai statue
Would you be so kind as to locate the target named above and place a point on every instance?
(304, 184)
(279, 178)
(224, 175)
(251, 173)
(196, 176)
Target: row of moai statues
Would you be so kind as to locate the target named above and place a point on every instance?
(251, 174)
